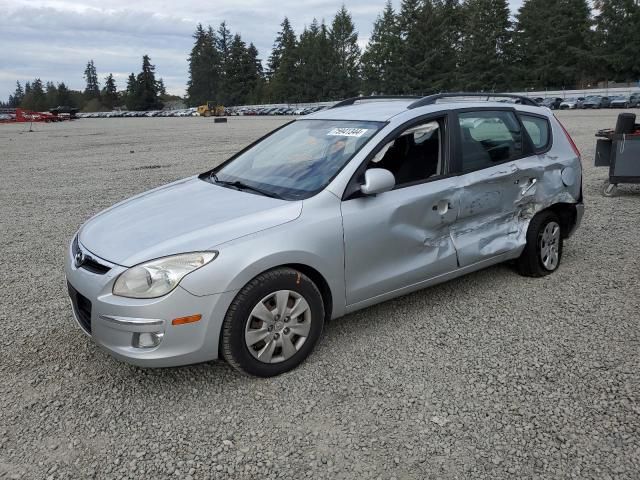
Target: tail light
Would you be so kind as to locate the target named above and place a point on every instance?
(575, 150)
(571, 142)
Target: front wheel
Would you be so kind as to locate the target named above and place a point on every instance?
(543, 251)
(273, 324)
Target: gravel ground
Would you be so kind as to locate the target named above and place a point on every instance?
(488, 376)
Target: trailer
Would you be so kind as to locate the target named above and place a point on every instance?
(20, 115)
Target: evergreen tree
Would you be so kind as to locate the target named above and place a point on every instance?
(286, 39)
(18, 96)
(430, 33)
(92, 89)
(448, 54)
(147, 87)
(410, 52)
(131, 93)
(345, 75)
(204, 68)
(617, 39)
(162, 90)
(223, 42)
(380, 61)
(552, 41)
(256, 77)
(484, 64)
(64, 96)
(110, 92)
(242, 72)
(283, 65)
(51, 95)
(34, 98)
(315, 62)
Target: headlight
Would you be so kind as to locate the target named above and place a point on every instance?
(158, 277)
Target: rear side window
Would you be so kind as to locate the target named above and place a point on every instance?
(489, 138)
(539, 131)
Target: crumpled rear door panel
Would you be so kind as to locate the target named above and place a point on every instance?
(487, 223)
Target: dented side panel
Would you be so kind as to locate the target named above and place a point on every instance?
(497, 204)
(399, 238)
(487, 224)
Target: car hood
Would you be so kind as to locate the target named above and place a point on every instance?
(185, 216)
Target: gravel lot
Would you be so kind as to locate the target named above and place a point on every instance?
(488, 376)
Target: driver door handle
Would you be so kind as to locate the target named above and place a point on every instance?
(442, 207)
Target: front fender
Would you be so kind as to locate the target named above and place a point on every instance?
(314, 240)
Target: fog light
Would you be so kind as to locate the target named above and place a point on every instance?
(147, 339)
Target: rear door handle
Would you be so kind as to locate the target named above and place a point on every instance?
(532, 183)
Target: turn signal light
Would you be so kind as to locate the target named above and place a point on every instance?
(183, 320)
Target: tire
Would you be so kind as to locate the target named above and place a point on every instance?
(258, 323)
(542, 230)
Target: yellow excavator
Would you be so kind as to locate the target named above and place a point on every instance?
(211, 110)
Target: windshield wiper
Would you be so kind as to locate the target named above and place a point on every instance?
(244, 186)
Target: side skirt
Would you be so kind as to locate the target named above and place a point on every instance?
(434, 281)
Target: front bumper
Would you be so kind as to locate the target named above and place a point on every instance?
(113, 322)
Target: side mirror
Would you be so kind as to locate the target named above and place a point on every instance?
(377, 180)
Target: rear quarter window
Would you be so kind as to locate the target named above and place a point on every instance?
(539, 131)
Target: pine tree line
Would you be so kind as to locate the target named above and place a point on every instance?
(143, 92)
(223, 68)
(428, 46)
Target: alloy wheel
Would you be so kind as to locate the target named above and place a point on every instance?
(549, 246)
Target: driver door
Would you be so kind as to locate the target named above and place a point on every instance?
(401, 238)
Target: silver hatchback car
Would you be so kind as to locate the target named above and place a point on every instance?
(351, 206)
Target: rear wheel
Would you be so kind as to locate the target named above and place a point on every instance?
(273, 324)
(543, 251)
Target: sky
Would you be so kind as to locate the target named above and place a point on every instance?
(54, 39)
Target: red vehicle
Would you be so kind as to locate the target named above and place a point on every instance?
(19, 115)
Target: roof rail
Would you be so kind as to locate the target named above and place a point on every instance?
(351, 101)
(431, 99)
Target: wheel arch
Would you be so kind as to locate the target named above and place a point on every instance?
(314, 275)
(568, 215)
(321, 282)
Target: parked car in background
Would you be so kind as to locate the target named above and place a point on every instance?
(552, 102)
(625, 101)
(572, 103)
(322, 217)
(596, 101)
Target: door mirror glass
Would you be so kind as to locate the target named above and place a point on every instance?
(377, 180)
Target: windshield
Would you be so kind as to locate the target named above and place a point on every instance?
(298, 160)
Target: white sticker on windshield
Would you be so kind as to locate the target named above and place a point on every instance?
(347, 132)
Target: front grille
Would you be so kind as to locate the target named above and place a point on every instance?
(94, 267)
(81, 308)
(88, 262)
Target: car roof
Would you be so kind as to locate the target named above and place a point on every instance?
(384, 110)
(377, 110)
